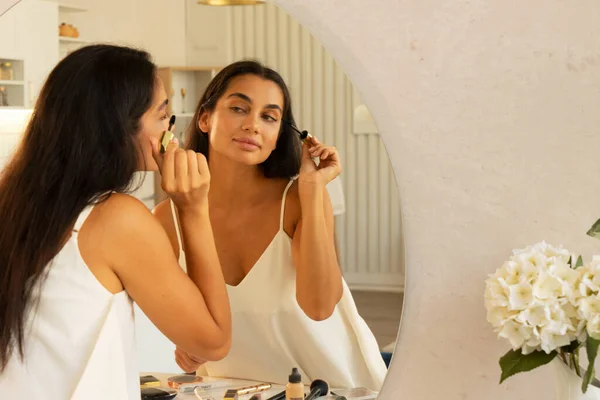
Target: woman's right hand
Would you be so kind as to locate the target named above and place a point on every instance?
(187, 362)
(185, 176)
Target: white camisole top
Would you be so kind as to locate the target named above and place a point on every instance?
(272, 334)
(80, 341)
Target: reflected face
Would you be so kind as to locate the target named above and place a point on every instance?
(152, 125)
(245, 124)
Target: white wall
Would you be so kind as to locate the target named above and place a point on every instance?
(208, 35)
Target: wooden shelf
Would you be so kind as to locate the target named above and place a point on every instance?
(12, 83)
(65, 39)
(18, 76)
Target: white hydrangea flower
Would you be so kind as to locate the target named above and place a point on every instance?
(590, 280)
(589, 292)
(593, 327)
(534, 316)
(516, 333)
(532, 300)
(520, 296)
(551, 341)
(589, 307)
(547, 288)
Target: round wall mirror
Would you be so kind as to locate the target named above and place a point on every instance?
(192, 42)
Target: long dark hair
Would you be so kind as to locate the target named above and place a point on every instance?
(284, 161)
(79, 145)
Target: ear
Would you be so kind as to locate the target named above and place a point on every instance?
(204, 121)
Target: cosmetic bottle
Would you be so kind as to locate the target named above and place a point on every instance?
(294, 390)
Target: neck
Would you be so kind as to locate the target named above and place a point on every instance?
(233, 184)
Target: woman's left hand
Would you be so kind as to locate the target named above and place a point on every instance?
(187, 362)
(329, 162)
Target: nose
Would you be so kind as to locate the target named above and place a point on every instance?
(251, 123)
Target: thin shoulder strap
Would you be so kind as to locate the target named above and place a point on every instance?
(82, 217)
(85, 213)
(176, 223)
(283, 203)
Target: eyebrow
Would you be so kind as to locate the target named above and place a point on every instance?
(163, 105)
(249, 100)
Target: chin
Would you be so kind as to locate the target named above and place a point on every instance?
(250, 159)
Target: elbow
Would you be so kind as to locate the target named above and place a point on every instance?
(318, 310)
(320, 306)
(319, 315)
(220, 352)
(214, 350)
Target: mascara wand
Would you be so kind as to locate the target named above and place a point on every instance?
(303, 134)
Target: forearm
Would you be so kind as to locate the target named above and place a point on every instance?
(337, 246)
(203, 265)
(319, 279)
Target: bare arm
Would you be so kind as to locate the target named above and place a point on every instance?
(318, 274)
(193, 319)
(192, 310)
(204, 268)
(164, 215)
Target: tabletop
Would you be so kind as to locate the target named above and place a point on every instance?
(217, 393)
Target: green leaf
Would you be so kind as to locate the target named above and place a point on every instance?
(594, 231)
(572, 347)
(591, 347)
(514, 362)
(570, 262)
(575, 356)
(579, 262)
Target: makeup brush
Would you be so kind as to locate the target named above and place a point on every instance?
(318, 388)
(278, 396)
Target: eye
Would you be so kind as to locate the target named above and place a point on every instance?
(237, 109)
(269, 118)
(166, 116)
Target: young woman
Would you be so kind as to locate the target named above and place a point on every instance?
(274, 232)
(75, 249)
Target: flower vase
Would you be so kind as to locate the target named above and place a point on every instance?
(568, 384)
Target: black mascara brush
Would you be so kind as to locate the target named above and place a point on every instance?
(303, 134)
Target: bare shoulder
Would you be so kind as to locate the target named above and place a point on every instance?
(114, 233)
(122, 212)
(123, 219)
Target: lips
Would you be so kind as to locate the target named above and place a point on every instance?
(247, 143)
